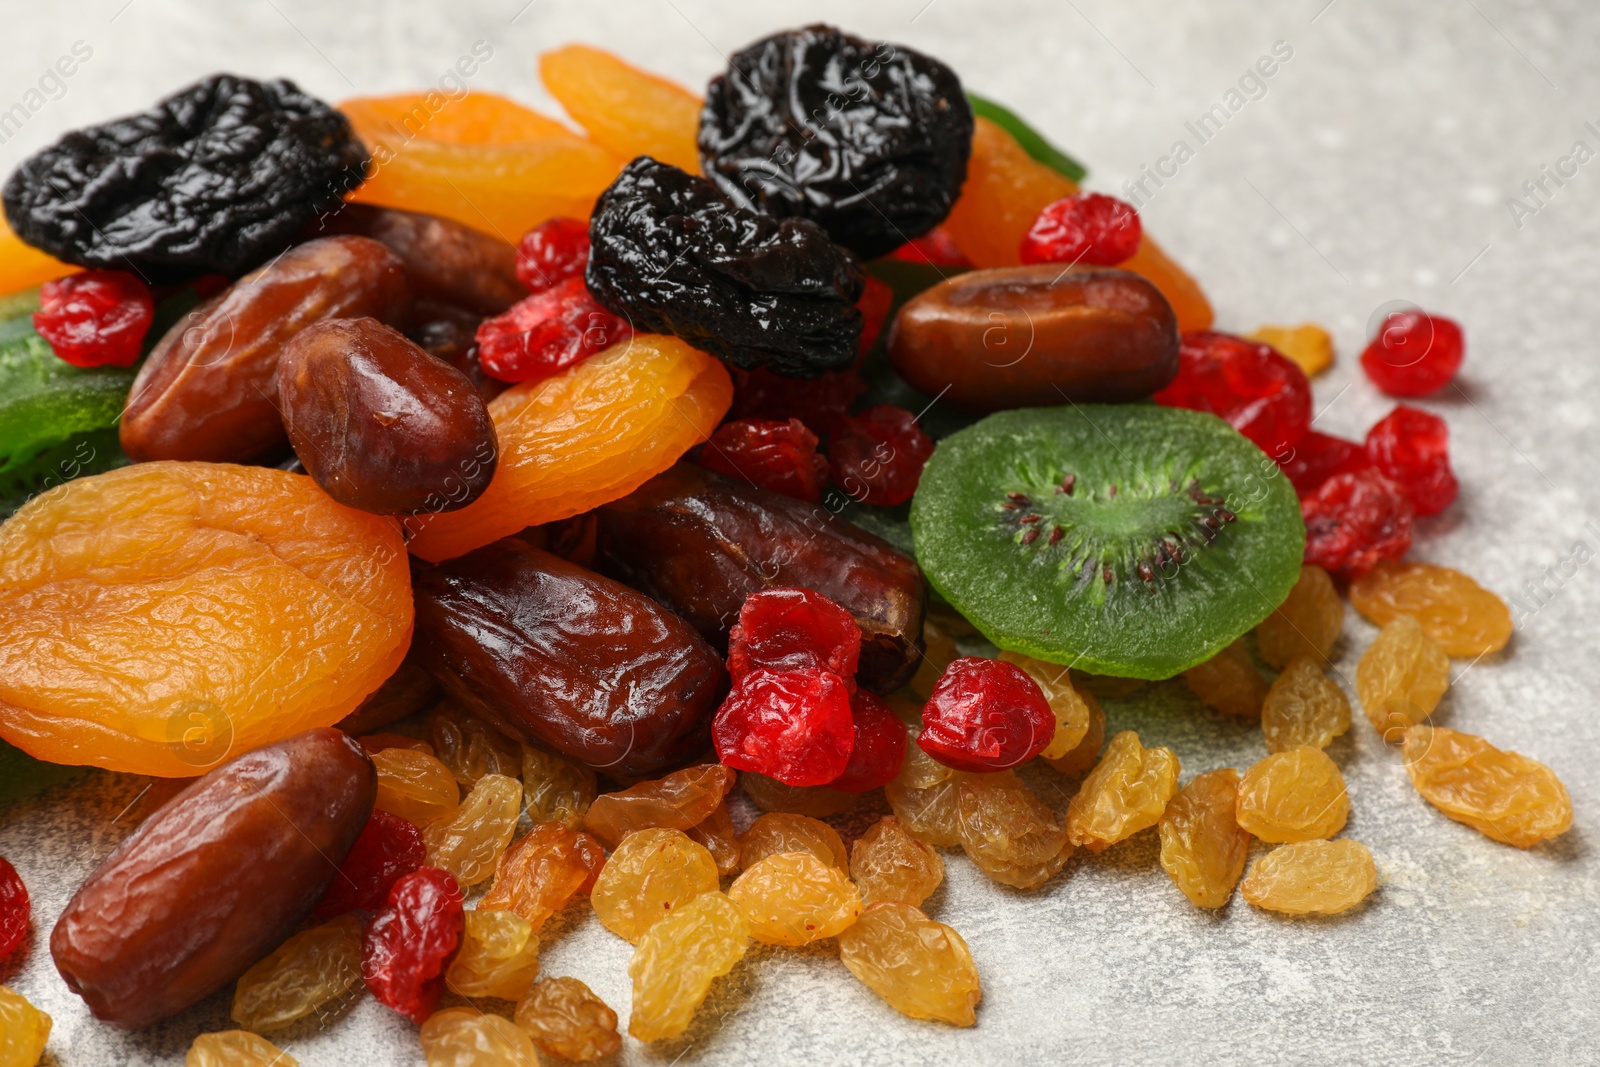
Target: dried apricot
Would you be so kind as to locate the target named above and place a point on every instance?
(888, 863)
(1503, 795)
(1307, 623)
(921, 967)
(1401, 677)
(624, 109)
(589, 435)
(1229, 682)
(498, 957)
(1311, 878)
(1308, 344)
(1461, 616)
(1007, 832)
(1070, 708)
(1298, 795)
(415, 785)
(651, 873)
(158, 617)
(478, 118)
(566, 1019)
(793, 899)
(540, 873)
(469, 843)
(312, 968)
(1126, 792)
(678, 958)
(467, 1037)
(1203, 847)
(1303, 707)
(784, 832)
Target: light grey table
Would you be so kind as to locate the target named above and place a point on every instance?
(1378, 163)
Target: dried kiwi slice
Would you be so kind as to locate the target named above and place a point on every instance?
(1126, 539)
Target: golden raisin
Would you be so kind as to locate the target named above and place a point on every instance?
(1308, 345)
(498, 957)
(467, 1037)
(817, 801)
(1463, 617)
(1086, 753)
(24, 1030)
(1307, 623)
(677, 959)
(566, 1019)
(1229, 682)
(312, 968)
(653, 872)
(1311, 878)
(1007, 832)
(888, 863)
(678, 801)
(469, 843)
(793, 899)
(540, 873)
(1203, 847)
(1303, 707)
(923, 795)
(236, 1048)
(1298, 795)
(1126, 792)
(470, 747)
(778, 831)
(719, 837)
(555, 789)
(415, 785)
(921, 967)
(940, 650)
(1070, 708)
(1401, 677)
(1504, 795)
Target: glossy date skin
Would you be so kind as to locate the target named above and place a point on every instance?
(215, 879)
(1037, 335)
(208, 390)
(445, 260)
(557, 654)
(380, 424)
(701, 543)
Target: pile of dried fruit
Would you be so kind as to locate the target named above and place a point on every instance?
(508, 577)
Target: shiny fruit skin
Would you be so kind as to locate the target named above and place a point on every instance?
(469, 843)
(388, 849)
(1298, 795)
(677, 801)
(1126, 792)
(15, 909)
(985, 715)
(1311, 878)
(445, 260)
(1303, 707)
(921, 967)
(1070, 708)
(467, 1037)
(1461, 616)
(539, 874)
(498, 957)
(1203, 847)
(1503, 795)
(792, 725)
(24, 1030)
(677, 960)
(650, 874)
(777, 832)
(888, 863)
(793, 898)
(408, 943)
(236, 1048)
(1401, 677)
(1414, 353)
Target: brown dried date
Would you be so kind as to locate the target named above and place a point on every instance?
(208, 390)
(563, 657)
(445, 260)
(1026, 336)
(215, 880)
(380, 424)
(447, 332)
(701, 543)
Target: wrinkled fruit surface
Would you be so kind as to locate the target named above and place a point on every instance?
(879, 748)
(787, 629)
(389, 848)
(15, 909)
(1088, 228)
(1401, 677)
(415, 786)
(468, 844)
(1414, 354)
(1311, 878)
(876, 457)
(555, 789)
(921, 967)
(467, 1037)
(792, 725)
(818, 802)
(1298, 795)
(24, 1030)
(678, 801)
(1126, 792)
(1461, 616)
(1307, 623)
(985, 715)
(552, 252)
(1007, 832)
(676, 961)
(1229, 682)
(652, 873)
(498, 957)
(236, 1048)
(775, 454)
(1251, 386)
(777, 832)
(1504, 795)
(566, 1019)
(548, 332)
(543, 871)
(1203, 847)
(97, 318)
(1412, 448)
(470, 747)
(888, 863)
(1354, 520)
(1303, 707)
(794, 898)
(1316, 457)
(409, 941)
(312, 968)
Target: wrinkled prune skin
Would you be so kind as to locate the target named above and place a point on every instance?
(221, 875)
(670, 255)
(868, 140)
(701, 543)
(217, 177)
(548, 651)
(445, 260)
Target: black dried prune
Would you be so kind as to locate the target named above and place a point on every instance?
(869, 141)
(215, 178)
(754, 291)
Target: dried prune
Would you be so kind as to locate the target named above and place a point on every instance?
(216, 177)
(701, 543)
(549, 651)
(672, 256)
(868, 139)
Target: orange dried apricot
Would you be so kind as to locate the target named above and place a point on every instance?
(584, 437)
(479, 118)
(1308, 344)
(623, 108)
(156, 618)
(22, 266)
(1461, 616)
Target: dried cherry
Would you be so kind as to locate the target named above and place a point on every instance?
(877, 456)
(792, 725)
(95, 318)
(1260, 393)
(786, 629)
(936, 248)
(15, 909)
(776, 454)
(1412, 447)
(1088, 228)
(552, 252)
(1414, 353)
(985, 715)
(672, 256)
(879, 749)
(819, 402)
(547, 332)
(407, 945)
(1316, 457)
(387, 850)
(1354, 520)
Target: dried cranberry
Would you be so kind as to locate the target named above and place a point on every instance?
(820, 403)
(96, 318)
(1258, 391)
(936, 248)
(1353, 520)
(15, 907)
(985, 715)
(552, 252)
(776, 454)
(1412, 447)
(1316, 457)
(1414, 354)
(877, 456)
(794, 726)
(406, 946)
(880, 746)
(387, 850)
(1085, 228)
(876, 299)
(547, 332)
(787, 629)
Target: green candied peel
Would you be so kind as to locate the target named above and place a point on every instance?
(22, 776)
(1031, 140)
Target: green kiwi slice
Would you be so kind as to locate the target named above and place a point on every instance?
(1125, 539)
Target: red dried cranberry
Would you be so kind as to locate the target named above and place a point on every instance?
(409, 941)
(1412, 447)
(985, 715)
(794, 726)
(387, 850)
(1414, 354)
(776, 454)
(877, 456)
(546, 333)
(96, 318)
(1316, 457)
(876, 299)
(820, 403)
(1353, 520)
(787, 629)
(1258, 391)
(1085, 228)
(552, 252)
(15, 908)
(880, 746)
(936, 248)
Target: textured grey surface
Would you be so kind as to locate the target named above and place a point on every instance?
(1377, 166)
